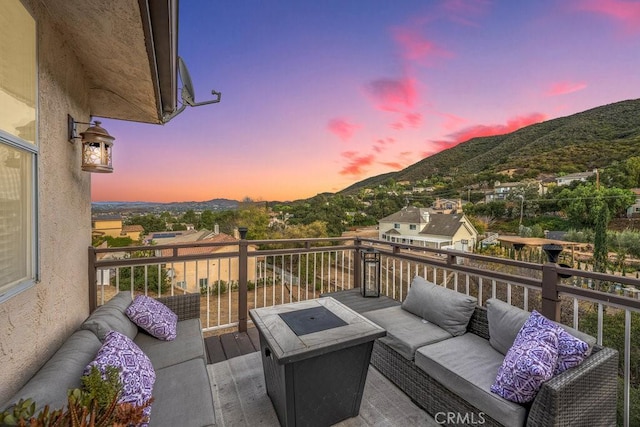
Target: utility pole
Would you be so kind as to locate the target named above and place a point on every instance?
(521, 208)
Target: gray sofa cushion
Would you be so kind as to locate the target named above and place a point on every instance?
(406, 332)
(188, 345)
(446, 308)
(111, 317)
(60, 373)
(182, 396)
(467, 365)
(505, 321)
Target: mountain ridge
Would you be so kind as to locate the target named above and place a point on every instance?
(578, 142)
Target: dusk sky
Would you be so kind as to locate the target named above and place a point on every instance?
(320, 94)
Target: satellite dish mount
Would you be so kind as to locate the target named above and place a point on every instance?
(187, 93)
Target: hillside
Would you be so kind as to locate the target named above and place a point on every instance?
(580, 142)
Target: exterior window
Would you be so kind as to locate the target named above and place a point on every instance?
(413, 227)
(18, 149)
(396, 225)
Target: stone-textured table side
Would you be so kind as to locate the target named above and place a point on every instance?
(315, 379)
(289, 347)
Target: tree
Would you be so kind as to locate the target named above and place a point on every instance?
(579, 203)
(149, 222)
(600, 247)
(190, 217)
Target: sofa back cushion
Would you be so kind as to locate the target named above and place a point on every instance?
(111, 317)
(505, 321)
(60, 373)
(446, 308)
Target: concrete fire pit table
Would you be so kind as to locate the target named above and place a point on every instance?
(315, 357)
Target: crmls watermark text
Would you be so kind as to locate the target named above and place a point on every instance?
(466, 418)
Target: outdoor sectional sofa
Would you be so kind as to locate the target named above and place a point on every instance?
(182, 392)
(450, 374)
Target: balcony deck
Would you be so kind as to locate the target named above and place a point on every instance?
(240, 394)
(240, 398)
(234, 344)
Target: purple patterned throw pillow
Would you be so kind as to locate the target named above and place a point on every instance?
(571, 351)
(154, 317)
(530, 361)
(136, 371)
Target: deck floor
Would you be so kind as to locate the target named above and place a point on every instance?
(227, 346)
(240, 398)
(240, 395)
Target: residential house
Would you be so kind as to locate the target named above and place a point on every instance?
(134, 232)
(60, 58)
(111, 225)
(107, 225)
(447, 206)
(422, 227)
(502, 190)
(580, 176)
(193, 276)
(634, 209)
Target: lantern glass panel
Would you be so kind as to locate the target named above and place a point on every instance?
(370, 286)
(96, 157)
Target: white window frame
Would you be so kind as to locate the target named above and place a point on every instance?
(8, 291)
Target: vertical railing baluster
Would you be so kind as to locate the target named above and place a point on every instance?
(600, 322)
(627, 366)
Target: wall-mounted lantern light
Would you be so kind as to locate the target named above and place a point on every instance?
(96, 146)
(370, 286)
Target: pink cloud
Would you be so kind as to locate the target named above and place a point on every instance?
(394, 95)
(451, 121)
(438, 146)
(381, 144)
(626, 13)
(413, 119)
(356, 163)
(342, 128)
(484, 130)
(414, 47)
(403, 159)
(563, 88)
(393, 165)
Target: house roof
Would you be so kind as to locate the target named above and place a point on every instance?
(409, 214)
(128, 50)
(132, 228)
(443, 225)
(577, 175)
(201, 237)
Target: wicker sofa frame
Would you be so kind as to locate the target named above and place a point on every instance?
(585, 395)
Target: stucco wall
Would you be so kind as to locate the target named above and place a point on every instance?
(36, 322)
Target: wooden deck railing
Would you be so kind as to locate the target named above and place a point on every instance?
(234, 277)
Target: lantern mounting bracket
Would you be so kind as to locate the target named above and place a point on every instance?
(72, 128)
